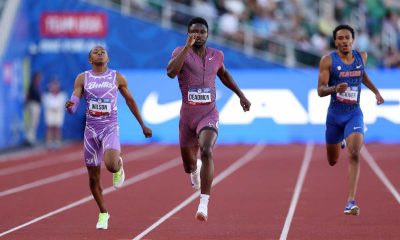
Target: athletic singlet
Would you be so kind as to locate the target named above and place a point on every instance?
(352, 74)
(197, 76)
(100, 93)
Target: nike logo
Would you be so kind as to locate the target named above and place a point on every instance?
(355, 128)
(155, 113)
(358, 66)
(210, 58)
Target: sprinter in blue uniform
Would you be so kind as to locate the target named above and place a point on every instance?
(340, 76)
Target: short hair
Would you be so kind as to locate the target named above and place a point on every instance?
(197, 20)
(341, 27)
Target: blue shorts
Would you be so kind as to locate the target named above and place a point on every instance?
(339, 125)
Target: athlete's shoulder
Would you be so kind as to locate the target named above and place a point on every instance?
(326, 60)
(363, 54)
(215, 51)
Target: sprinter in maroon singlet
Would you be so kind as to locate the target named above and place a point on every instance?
(196, 66)
(99, 88)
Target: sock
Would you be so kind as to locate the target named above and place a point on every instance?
(204, 198)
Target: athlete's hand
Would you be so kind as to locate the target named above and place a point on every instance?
(147, 132)
(69, 104)
(341, 87)
(245, 103)
(191, 39)
(379, 99)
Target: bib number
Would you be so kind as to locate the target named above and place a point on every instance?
(99, 106)
(349, 96)
(199, 96)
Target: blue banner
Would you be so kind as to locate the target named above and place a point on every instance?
(285, 107)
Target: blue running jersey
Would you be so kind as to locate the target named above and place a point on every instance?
(352, 74)
(344, 113)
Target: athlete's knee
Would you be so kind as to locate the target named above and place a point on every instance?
(332, 160)
(206, 152)
(354, 156)
(113, 166)
(189, 167)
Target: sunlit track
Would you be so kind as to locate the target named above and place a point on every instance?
(250, 155)
(297, 190)
(381, 175)
(49, 161)
(22, 154)
(135, 179)
(130, 156)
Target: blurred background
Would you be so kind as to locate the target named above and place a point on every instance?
(272, 48)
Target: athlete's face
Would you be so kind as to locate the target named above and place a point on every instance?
(200, 32)
(98, 56)
(344, 41)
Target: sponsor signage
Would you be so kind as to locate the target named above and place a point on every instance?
(285, 108)
(73, 24)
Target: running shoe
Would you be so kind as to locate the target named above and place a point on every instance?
(202, 212)
(119, 177)
(102, 223)
(343, 144)
(195, 176)
(352, 209)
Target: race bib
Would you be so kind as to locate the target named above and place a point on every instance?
(349, 96)
(99, 106)
(198, 96)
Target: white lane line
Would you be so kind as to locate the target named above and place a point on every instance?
(131, 156)
(142, 176)
(54, 160)
(381, 175)
(49, 161)
(228, 171)
(297, 189)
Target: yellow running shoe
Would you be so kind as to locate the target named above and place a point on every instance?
(119, 177)
(102, 223)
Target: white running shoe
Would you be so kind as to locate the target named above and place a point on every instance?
(102, 223)
(119, 177)
(195, 176)
(202, 212)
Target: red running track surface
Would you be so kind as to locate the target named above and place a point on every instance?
(259, 192)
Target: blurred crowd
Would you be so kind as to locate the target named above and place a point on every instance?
(308, 24)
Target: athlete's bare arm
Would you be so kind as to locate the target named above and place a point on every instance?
(130, 101)
(78, 90)
(228, 81)
(176, 63)
(368, 83)
(323, 78)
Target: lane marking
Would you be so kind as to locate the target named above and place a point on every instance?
(135, 179)
(49, 161)
(378, 171)
(250, 155)
(297, 190)
(131, 156)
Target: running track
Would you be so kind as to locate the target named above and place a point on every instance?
(259, 192)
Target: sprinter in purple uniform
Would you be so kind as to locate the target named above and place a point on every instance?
(196, 66)
(99, 87)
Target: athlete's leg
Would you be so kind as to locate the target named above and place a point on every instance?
(333, 151)
(207, 138)
(354, 144)
(95, 186)
(112, 160)
(189, 158)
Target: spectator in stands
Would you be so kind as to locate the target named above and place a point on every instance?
(33, 108)
(53, 103)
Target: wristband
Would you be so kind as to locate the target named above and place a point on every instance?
(76, 101)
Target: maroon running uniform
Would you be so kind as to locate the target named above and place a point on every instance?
(197, 84)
